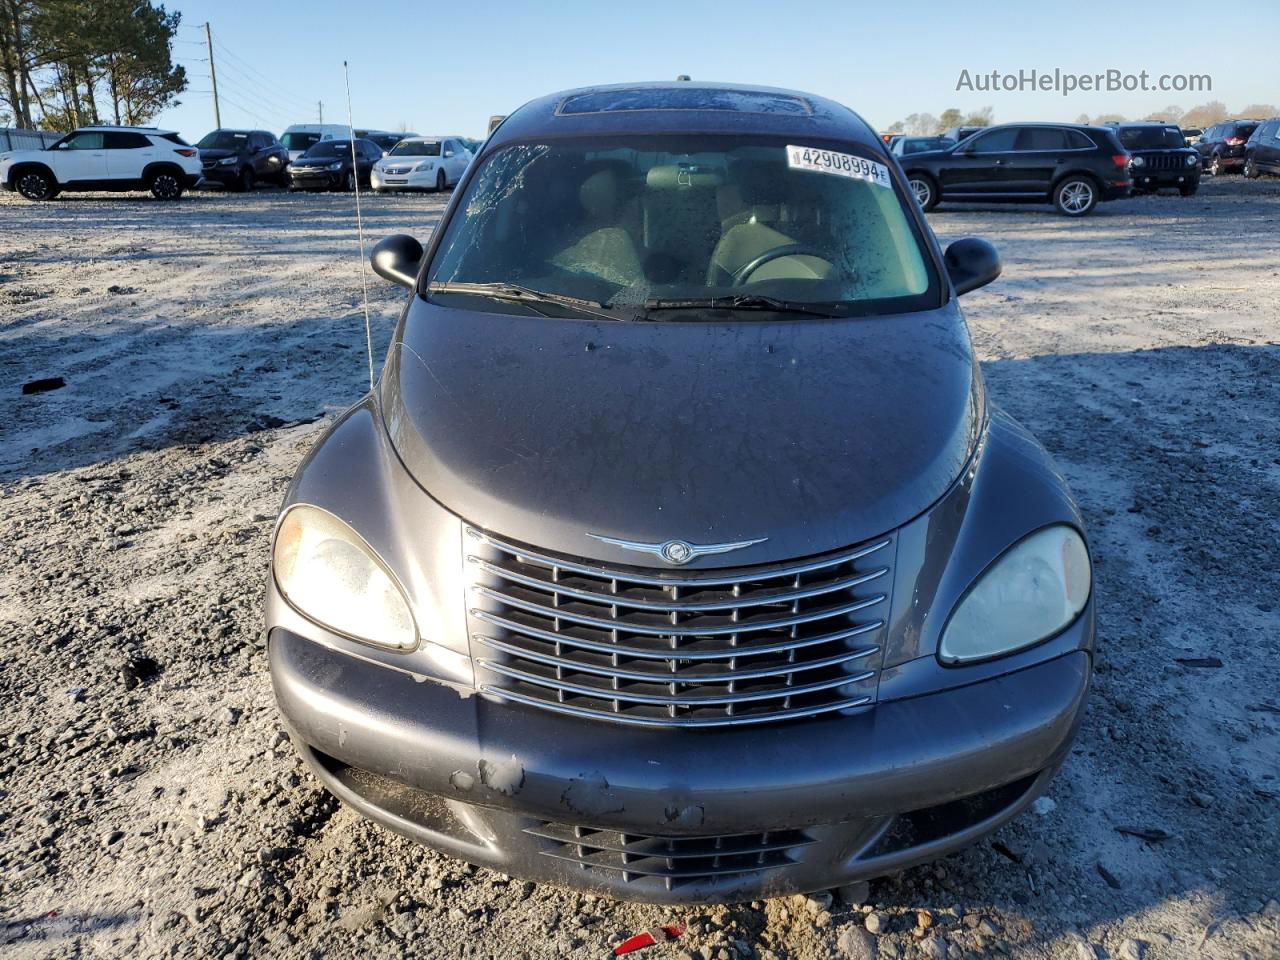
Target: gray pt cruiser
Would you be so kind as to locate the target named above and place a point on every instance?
(679, 554)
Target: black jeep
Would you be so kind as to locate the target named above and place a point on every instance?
(1161, 157)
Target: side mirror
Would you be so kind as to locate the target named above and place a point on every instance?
(971, 263)
(397, 258)
(448, 154)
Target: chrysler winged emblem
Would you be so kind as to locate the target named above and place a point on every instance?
(677, 551)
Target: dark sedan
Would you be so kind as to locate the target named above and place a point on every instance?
(1071, 166)
(328, 165)
(680, 553)
(240, 159)
(1161, 157)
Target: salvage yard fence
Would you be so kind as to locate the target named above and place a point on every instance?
(11, 138)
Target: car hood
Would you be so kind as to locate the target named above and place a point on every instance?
(20, 156)
(813, 434)
(1148, 151)
(217, 154)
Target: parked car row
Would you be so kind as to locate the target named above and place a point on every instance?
(1077, 166)
(305, 157)
(1072, 166)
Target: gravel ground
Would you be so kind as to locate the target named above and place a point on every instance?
(151, 805)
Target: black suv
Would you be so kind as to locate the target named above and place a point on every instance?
(1262, 152)
(1221, 147)
(327, 165)
(1073, 167)
(238, 159)
(1161, 157)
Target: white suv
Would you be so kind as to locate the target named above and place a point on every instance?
(104, 158)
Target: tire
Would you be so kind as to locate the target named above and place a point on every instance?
(246, 181)
(1075, 196)
(36, 185)
(1215, 166)
(349, 182)
(442, 182)
(1189, 189)
(1250, 169)
(925, 190)
(165, 185)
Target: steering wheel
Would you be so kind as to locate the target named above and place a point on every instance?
(741, 275)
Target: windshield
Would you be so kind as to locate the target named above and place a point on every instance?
(416, 148)
(921, 144)
(299, 141)
(1151, 138)
(222, 140)
(631, 220)
(329, 148)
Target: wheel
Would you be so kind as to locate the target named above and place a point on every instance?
(36, 185)
(349, 183)
(442, 182)
(1189, 189)
(246, 181)
(1215, 166)
(1250, 169)
(925, 190)
(166, 186)
(1075, 196)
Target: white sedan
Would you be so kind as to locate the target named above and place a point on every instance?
(422, 163)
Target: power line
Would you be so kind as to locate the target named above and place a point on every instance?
(257, 76)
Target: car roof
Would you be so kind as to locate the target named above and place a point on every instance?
(683, 107)
(112, 126)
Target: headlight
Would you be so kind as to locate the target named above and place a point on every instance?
(1191, 160)
(425, 165)
(336, 165)
(1139, 161)
(330, 575)
(1037, 587)
(226, 161)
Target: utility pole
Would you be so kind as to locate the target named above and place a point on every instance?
(320, 108)
(213, 77)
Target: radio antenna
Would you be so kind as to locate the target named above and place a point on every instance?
(364, 276)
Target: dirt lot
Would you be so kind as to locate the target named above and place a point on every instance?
(151, 806)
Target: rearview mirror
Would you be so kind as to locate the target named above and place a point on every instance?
(397, 259)
(971, 263)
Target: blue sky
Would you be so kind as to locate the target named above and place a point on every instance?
(444, 68)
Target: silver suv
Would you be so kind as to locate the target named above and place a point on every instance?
(105, 158)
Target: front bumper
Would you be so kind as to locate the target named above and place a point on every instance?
(223, 175)
(416, 180)
(318, 180)
(676, 816)
(1166, 178)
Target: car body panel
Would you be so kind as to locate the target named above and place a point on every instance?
(815, 434)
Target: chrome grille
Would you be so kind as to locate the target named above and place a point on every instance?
(680, 648)
(669, 861)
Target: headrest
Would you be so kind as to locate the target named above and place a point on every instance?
(599, 194)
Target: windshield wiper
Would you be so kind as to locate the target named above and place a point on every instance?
(515, 293)
(741, 301)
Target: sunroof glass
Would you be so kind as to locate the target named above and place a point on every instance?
(689, 99)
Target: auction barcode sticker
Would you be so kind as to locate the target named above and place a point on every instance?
(840, 164)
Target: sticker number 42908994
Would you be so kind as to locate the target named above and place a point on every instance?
(839, 164)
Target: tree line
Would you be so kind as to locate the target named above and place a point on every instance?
(1202, 116)
(66, 63)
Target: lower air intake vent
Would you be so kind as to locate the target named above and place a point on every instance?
(669, 861)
